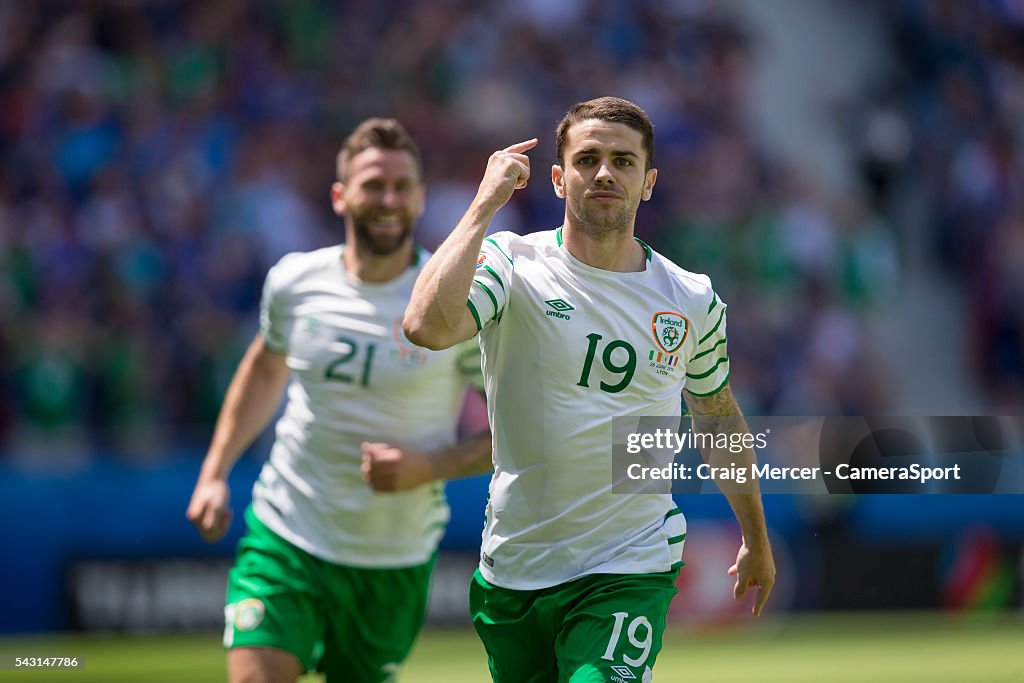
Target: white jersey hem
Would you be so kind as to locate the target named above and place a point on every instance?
(359, 557)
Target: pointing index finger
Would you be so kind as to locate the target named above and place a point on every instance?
(521, 147)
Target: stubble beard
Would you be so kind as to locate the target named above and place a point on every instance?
(602, 224)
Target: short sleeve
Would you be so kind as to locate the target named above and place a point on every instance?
(489, 292)
(271, 323)
(467, 364)
(707, 371)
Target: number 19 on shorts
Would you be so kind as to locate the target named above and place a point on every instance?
(643, 644)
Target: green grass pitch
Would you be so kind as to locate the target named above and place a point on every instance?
(861, 648)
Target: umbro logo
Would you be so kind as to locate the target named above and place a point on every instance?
(623, 674)
(559, 308)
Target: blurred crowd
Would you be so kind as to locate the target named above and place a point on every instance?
(961, 93)
(156, 158)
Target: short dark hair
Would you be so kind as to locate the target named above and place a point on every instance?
(613, 109)
(380, 133)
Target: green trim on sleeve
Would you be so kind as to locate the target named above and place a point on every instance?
(713, 391)
(704, 353)
(673, 512)
(713, 329)
(502, 251)
(490, 294)
(714, 302)
(676, 539)
(476, 316)
(496, 277)
(714, 367)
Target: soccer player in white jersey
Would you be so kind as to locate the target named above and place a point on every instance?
(331, 574)
(578, 325)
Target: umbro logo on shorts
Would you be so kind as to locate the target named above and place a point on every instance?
(623, 674)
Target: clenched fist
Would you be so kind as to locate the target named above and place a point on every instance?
(208, 510)
(388, 468)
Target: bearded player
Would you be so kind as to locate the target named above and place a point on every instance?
(333, 575)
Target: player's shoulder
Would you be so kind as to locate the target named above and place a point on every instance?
(512, 244)
(300, 261)
(695, 285)
(297, 265)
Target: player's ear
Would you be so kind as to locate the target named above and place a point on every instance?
(558, 181)
(338, 198)
(652, 177)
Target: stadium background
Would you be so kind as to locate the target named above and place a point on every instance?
(850, 174)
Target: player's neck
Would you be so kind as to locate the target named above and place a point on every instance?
(366, 266)
(616, 250)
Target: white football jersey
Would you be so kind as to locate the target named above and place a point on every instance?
(355, 378)
(566, 347)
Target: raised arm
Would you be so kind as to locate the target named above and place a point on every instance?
(755, 566)
(437, 316)
(252, 397)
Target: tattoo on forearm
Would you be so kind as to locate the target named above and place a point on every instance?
(722, 404)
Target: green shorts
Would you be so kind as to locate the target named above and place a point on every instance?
(599, 628)
(350, 623)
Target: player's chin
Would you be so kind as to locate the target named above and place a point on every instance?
(381, 245)
(607, 222)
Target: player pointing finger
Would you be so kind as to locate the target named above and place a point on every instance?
(577, 595)
(508, 170)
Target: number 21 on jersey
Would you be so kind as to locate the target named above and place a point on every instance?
(337, 368)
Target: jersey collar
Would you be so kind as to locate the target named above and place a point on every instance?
(419, 256)
(647, 249)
